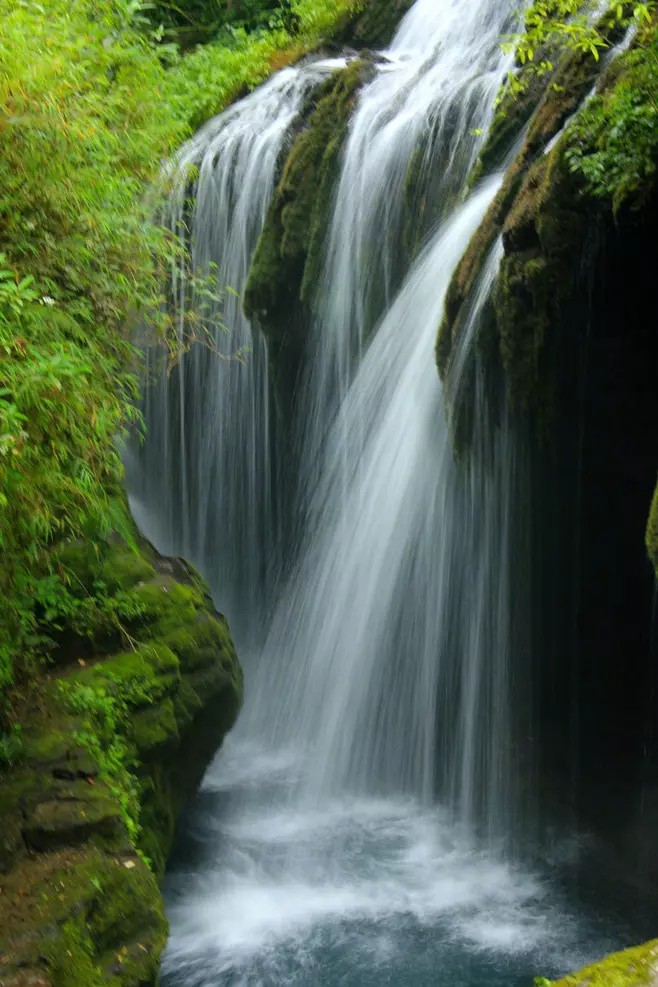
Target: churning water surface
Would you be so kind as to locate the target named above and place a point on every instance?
(352, 892)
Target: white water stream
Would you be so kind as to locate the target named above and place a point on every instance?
(204, 486)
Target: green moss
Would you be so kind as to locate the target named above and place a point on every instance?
(514, 110)
(137, 677)
(546, 226)
(614, 141)
(542, 232)
(158, 817)
(81, 919)
(186, 704)
(74, 814)
(71, 962)
(166, 602)
(631, 968)
(125, 568)
(199, 642)
(154, 730)
(544, 212)
(114, 746)
(48, 746)
(549, 102)
(577, 73)
(464, 279)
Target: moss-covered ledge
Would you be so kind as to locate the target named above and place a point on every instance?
(637, 967)
(552, 193)
(558, 100)
(566, 191)
(115, 739)
(286, 264)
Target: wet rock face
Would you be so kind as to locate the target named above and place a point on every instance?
(115, 744)
(534, 187)
(287, 261)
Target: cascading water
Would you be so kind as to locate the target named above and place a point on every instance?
(369, 647)
(420, 117)
(215, 487)
(339, 835)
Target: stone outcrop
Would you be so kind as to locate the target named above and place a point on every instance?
(552, 224)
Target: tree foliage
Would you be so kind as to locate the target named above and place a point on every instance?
(613, 143)
(613, 140)
(552, 28)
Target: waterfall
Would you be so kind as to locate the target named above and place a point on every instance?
(421, 119)
(393, 620)
(366, 651)
(374, 769)
(204, 486)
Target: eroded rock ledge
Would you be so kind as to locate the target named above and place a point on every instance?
(116, 739)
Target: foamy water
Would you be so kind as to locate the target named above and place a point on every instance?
(351, 891)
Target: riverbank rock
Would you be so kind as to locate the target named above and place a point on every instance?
(116, 737)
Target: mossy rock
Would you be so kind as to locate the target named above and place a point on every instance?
(547, 215)
(140, 677)
(81, 919)
(114, 745)
(544, 214)
(154, 731)
(73, 814)
(637, 967)
(113, 562)
(546, 99)
(560, 96)
(463, 282)
(286, 264)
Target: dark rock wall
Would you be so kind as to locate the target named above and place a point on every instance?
(573, 330)
(602, 704)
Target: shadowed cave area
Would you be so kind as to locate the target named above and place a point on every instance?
(596, 671)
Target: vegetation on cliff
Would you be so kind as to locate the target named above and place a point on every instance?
(584, 162)
(117, 679)
(81, 262)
